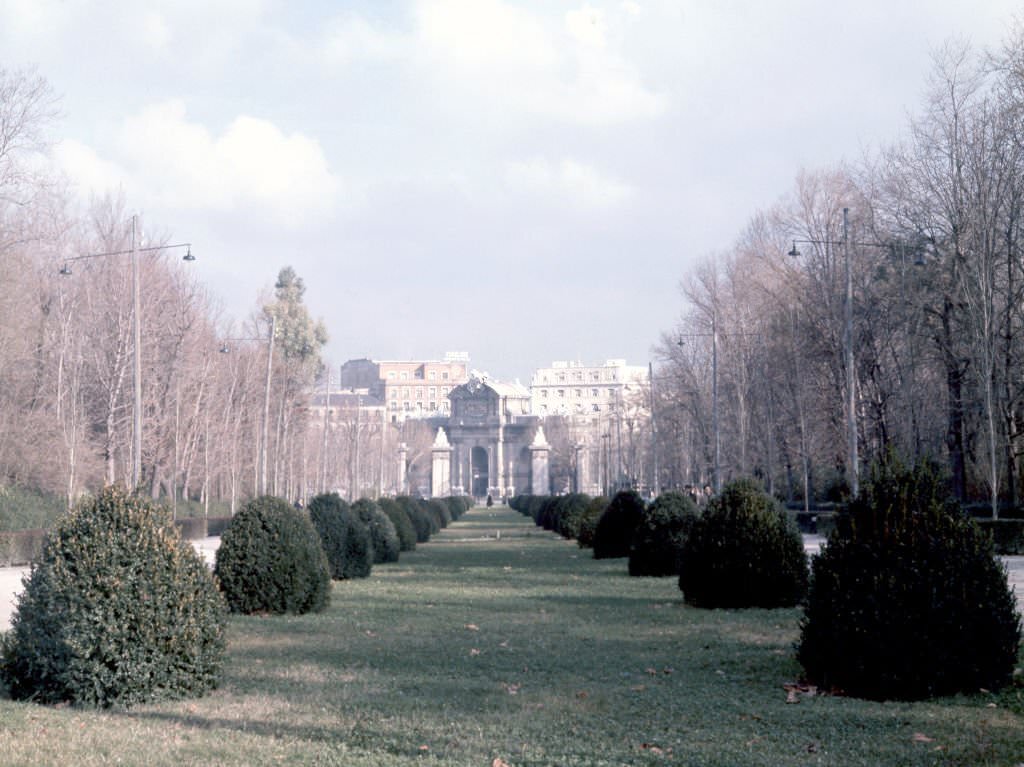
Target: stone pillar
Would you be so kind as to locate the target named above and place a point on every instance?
(501, 463)
(539, 450)
(441, 466)
(403, 454)
(581, 468)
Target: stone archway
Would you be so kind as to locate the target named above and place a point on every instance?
(479, 463)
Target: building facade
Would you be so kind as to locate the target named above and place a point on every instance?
(409, 388)
(605, 415)
(575, 389)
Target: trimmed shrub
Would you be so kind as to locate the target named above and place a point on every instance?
(907, 598)
(403, 524)
(345, 539)
(271, 560)
(383, 538)
(568, 512)
(455, 507)
(614, 532)
(658, 540)
(439, 515)
(588, 522)
(547, 511)
(743, 552)
(118, 611)
(416, 511)
(536, 507)
(459, 504)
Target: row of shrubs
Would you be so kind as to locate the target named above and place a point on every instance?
(907, 599)
(119, 610)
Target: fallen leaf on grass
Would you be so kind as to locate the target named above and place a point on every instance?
(499, 762)
(920, 737)
(654, 749)
(581, 695)
(511, 689)
(424, 748)
(472, 627)
(794, 691)
(474, 651)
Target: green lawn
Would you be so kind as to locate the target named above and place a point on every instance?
(521, 649)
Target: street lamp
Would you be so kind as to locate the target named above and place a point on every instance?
(262, 480)
(851, 401)
(134, 252)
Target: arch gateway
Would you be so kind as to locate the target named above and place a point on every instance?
(491, 444)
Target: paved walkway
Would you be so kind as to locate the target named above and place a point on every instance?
(10, 577)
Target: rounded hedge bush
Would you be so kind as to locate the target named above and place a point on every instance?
(117, 611)
(568, 512)
(439, 515)
(345, 539)
(614, 532)
(271, 560)
(383, 538)
(743, 552)
(658, 540)
(403, 524)
(588, 522)
(416, 510)
(907, 598)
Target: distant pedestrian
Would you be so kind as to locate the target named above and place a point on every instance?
(490, 501)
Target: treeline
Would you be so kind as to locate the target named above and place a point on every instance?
(755, 378)
(220, 424)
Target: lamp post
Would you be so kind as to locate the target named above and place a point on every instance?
(261, 480)
(851, 379)
(134, 251)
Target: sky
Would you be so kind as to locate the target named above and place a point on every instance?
(523, 181)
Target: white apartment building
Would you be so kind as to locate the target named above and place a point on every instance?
(575, 389)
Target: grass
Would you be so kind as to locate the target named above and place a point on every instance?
(522, 649)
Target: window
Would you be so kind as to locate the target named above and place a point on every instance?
(611, 394)
(433, 406)
(561, 378)
(405, 392)
(419, 373)
(543, 409)
(594, 393)
(444, 376)
(597, 408)
(391, 375)
(432, 375)
(579, 393)
(405, 375)
(543, 393)
(561, 393)
(433, 392)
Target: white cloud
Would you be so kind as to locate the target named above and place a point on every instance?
(587, 26)
(520, 62)
(351, 38)
(568, 181)
(154, 30)
(251, 167)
